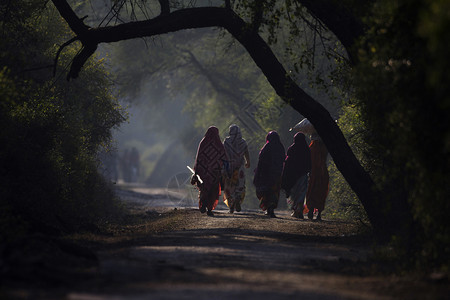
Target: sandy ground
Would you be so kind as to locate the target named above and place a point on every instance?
(178, 253)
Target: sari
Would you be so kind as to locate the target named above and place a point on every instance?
(268, 172)
(208, 166)
(237, 152)
(319, 178)
(294, 177)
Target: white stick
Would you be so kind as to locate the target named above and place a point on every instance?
(193, 172)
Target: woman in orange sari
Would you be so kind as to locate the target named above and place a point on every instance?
(318, 178)
(208, 168)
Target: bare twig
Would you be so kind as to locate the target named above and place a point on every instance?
(55, 63)
(37, 68)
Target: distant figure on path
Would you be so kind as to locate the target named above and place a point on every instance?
(125, 166)
(318, 179)
(295, 174)
(237, 152)
(209, 164)
(135, 162)
(267, 178)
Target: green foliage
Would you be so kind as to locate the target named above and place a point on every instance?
(342, 201)
(51, 130)
(403, 90)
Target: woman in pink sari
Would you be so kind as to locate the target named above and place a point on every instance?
(208, 166)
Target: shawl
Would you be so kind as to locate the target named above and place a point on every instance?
(297, 163)
(235, 147)
(270, 162)
(319, 178)
(210, 157)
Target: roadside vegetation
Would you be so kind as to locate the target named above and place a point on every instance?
(50, 130)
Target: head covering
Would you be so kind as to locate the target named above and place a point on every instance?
(273, 145)
(307, 128)
(235, 147)
(270, 162)
(298, 161)
(210, 157)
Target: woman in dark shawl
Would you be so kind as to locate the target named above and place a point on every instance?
(208, 166)
(237, 152)
(267, 178)
(295, 174)
(318, 179)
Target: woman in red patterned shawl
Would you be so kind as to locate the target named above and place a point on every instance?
(267, 178)
(237, 152)
(208, 166)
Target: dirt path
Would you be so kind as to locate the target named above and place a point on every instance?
(245, 255)
(168, 253)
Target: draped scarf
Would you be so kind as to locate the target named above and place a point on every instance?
(297, 163)
(235, 147)
(270, 162)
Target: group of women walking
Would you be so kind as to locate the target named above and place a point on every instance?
(301, 172)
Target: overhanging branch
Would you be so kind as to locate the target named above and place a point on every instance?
(80, 59)
(55, 63)
(75, 23)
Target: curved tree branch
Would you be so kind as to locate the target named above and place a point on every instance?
(55, 63)
(75, 23)
(80, 59)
